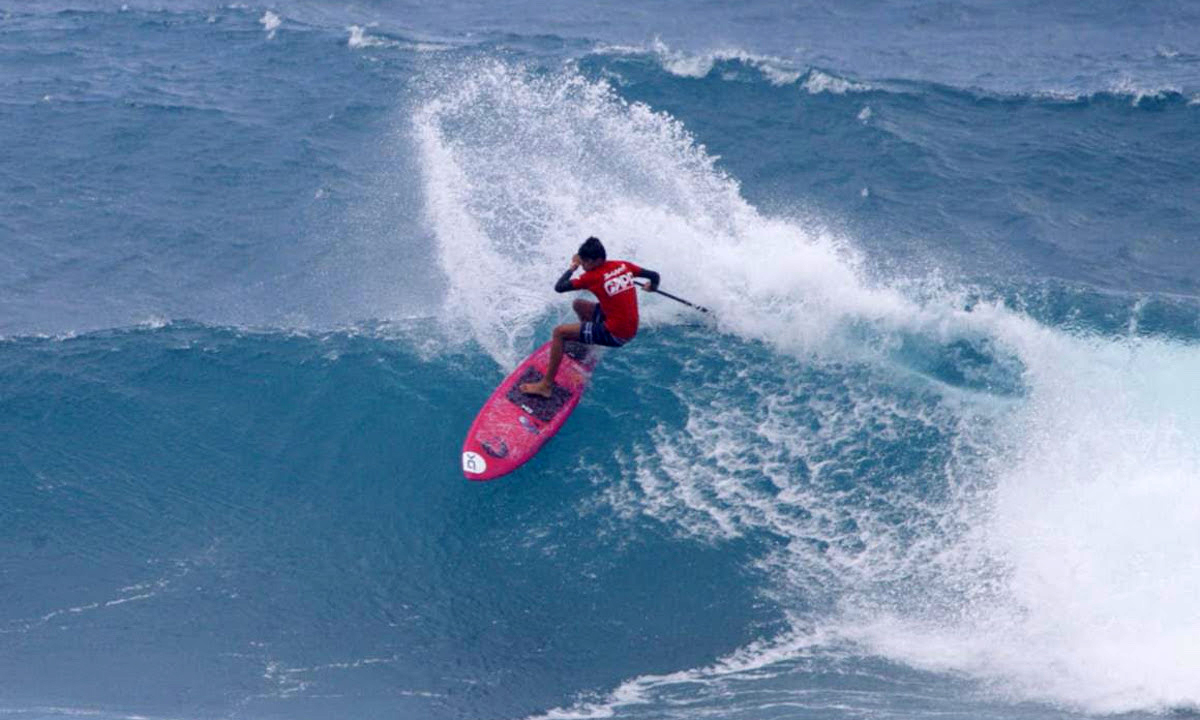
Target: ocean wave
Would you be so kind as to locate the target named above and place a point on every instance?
(817, 81)
(781, 72)
(417, 331)
(1137, 92)
(775, 70)
(360, 39)
(1124, 89)
(734, 63)
(903, 458)
(697, 65)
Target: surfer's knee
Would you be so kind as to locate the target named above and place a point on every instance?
(566, 331)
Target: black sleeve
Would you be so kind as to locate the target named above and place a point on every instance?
(564, 283)
(649, 275)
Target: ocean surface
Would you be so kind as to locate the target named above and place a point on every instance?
(934, 454)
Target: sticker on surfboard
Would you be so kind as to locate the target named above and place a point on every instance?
(474, 463)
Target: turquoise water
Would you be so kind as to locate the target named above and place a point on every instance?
(933, 453)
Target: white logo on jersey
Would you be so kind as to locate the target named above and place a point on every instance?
(619, 284)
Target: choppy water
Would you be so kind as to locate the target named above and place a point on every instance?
(935, 453)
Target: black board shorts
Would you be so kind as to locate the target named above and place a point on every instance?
(593, 331)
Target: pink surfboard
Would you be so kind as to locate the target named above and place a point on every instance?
(513, 426)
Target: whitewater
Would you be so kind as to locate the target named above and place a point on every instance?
(934, 452)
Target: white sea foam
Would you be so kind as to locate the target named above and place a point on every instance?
(1137, 92)
(697, 65)
(778, 71)
(360, 39)
(822, 82)
(520, 168)
(1096, 524)
(271, 23)
(1046, 542)
(743, 666)
(1125, 86)
(154, 322)
(1059, 95)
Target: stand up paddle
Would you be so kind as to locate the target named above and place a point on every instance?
(676, 298)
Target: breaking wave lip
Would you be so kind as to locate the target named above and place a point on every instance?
(1136, 92)
(360, 39)
(1124, 89)
(782, 72)
(777, 71)
(697, 65)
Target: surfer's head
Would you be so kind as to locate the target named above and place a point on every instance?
(591, 252)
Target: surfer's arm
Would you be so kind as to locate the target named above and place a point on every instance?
(649, 275)
(564, 283)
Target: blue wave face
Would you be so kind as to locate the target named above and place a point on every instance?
(285, 507)
(934, 451)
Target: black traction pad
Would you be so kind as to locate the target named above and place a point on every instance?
(542, 408)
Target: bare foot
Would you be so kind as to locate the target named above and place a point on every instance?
(538, 388)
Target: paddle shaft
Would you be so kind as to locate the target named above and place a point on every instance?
(677, 299)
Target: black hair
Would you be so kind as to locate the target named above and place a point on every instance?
(591, 249)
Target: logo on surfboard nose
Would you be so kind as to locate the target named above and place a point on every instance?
(473, 462)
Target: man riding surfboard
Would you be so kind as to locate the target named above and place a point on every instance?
(613, 321)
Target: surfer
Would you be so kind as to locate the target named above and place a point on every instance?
(613, 321)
